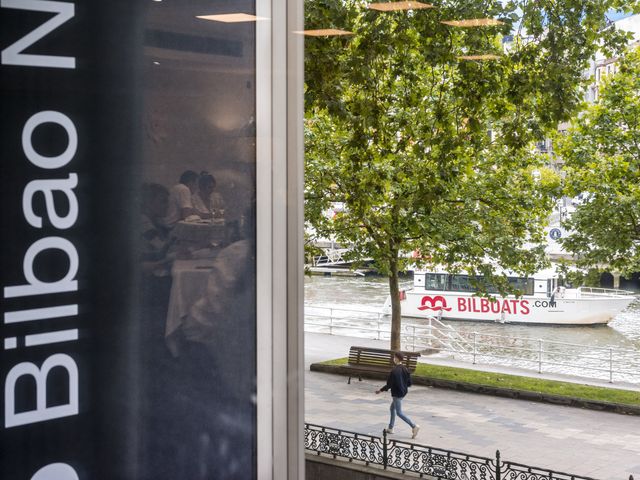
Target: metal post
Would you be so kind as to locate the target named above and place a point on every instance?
(475, 341)
(610, 365)
(331, 321)
(414, 338)
(539, 355)
(498, 465)
(430, 333)
(385, 460)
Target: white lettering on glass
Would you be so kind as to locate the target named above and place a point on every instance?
(56, 471)
(14, 54)
(51, 337)
(42, 412)
(49, 116)
(47, 187)
(35, 286)
(41, 313)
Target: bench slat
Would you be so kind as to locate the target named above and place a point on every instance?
(377, 359)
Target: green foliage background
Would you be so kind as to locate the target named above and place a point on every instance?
(602, 155)
(397, 129)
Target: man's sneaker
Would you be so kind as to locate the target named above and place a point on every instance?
(414, 431)
(388, 431)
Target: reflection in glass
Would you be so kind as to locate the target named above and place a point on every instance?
(197, 245)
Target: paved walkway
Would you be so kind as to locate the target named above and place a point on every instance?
(584, 442)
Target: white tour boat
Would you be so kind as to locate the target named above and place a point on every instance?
(452, 297)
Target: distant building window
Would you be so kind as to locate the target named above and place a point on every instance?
(542, 146)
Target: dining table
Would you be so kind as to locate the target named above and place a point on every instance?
(189, 282)
(200, 232)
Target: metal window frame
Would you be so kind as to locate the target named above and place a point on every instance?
(279, 190)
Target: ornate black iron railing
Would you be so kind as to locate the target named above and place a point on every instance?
(420, 459)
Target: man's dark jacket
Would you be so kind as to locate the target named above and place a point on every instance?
(399, 381)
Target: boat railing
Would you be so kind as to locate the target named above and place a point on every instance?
(604, 292)
(548, 356)
(330, 257)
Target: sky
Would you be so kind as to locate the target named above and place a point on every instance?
(631, 24)
(613, 15)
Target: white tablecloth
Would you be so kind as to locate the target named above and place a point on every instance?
(200, 233)
(188, 286)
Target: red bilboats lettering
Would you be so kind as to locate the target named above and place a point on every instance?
(480, 305)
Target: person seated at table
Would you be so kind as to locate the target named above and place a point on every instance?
(206, 201)
(155, 240)
(180, 203)
(153, 293)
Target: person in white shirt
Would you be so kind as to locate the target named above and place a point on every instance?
(206, 201)
(180, 203)
(154, 237)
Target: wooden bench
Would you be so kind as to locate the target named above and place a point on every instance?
(365, 359)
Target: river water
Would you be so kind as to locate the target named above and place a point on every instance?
(369, 293)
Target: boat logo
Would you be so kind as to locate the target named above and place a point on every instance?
(436, 303)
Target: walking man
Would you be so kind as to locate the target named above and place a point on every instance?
(398, 382)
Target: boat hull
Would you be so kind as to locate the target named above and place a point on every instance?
(536, 310)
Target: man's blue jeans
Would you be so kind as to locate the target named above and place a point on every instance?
(396, 407)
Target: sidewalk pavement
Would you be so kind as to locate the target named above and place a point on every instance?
(601, 445)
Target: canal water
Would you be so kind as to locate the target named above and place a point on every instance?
(369, 294)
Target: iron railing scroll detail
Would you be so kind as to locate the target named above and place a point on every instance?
(436, 462)
(422, 460)
(343, 444)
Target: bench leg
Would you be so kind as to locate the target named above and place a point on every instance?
(349, 381)
(359, 378)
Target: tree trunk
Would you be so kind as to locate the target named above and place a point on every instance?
(396, 313)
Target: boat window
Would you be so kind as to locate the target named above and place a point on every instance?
(468, 283)
(523, 285)
(465, 283)
(436, 281)
(461, 283)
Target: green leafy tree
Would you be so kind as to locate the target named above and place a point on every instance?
(430, 152)
(602, 155)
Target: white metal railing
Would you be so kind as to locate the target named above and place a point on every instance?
(557, 357)
(330, 257)
(604, 291)
(434, 334)
(540, 355)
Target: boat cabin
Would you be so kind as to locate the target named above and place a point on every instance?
(544, 284)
